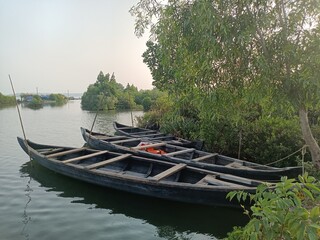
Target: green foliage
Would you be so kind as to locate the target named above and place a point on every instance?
(6, 100)
(107, 94)
(151, 119)
(36, 102)
(148, 98)
(291, 210)
(182, 120)
(58, 98)
(102, 94)
(271, 138)
(208, 44)
(264, 135)
(246, 68)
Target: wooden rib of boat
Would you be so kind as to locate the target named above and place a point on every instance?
(144, 176)
(190, 156)
(154, 135)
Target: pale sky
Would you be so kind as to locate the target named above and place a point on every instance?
(61, 45)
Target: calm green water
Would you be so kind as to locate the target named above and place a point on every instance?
(36, 203)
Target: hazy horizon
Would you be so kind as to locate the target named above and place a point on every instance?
(60, 46)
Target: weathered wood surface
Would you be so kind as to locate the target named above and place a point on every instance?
(108, 161)
(59, 154)
(84, 156)
(212, 179)
(143, 132)
(180, 152)
(101, 137)
(204, 157)
(51, 151)
(234, 178)
(126, 140)
(169, 172)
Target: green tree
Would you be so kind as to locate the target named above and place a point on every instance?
(6, 100)
(102, 94)
(237, 51)
(58, 98)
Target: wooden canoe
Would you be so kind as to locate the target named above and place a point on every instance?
(144, 176)
(154, 135)
(190, 156)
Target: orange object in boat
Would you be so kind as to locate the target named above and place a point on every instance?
(155, 151)
(151, 149)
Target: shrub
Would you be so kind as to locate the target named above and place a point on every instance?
(289, 211)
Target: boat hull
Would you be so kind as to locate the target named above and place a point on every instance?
(253, 171)
(206, 195)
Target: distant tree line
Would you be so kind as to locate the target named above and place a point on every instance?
(107, 94)
(6, 100)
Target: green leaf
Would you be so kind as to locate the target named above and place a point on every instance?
(308, 193)
(231, 195)
(313, 187)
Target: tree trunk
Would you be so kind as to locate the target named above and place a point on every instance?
(308, 137)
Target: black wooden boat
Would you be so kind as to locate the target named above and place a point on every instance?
(154, 135)
(144, 176)
(190, 156)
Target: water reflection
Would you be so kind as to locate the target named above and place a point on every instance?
(26, 218)
(172, 220)
(42, 105)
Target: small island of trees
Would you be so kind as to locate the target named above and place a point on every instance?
(107, 94)
(37, 101)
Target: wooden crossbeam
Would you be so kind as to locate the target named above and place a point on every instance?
(108, 161)
(204, 157)
(148, 146)
(125, 140)
(102, 137)
(50, 150)
(66, 152)
(180, 152)
(169, 172)
(84, 156)
(211, 179)
(241, 180)
(144, 132)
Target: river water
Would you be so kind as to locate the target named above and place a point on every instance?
(36, 203)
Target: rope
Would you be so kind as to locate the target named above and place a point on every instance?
(303, 149)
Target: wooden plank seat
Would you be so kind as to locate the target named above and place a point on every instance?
(50, 150)
(144, 132)
(85, 156)
(148, 146)
(153, 136)
(242, 180)
(212, 179)
(180, 152)
(102, 137)
(108, 161)
(204, 157)
(66, 152)
(169, 172)
(126, 140)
